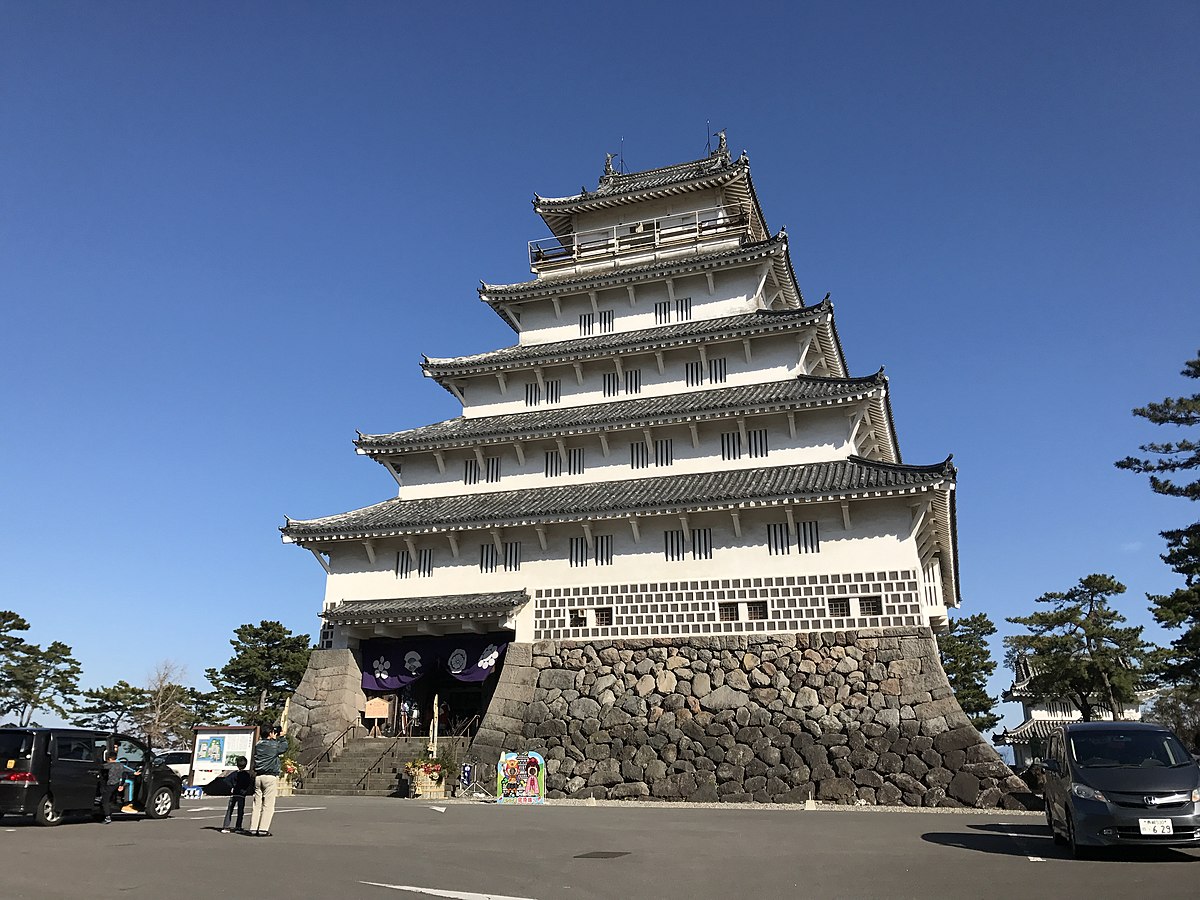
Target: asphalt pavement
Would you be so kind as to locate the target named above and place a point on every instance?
(386, 848)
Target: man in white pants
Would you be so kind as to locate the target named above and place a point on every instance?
(267, 761)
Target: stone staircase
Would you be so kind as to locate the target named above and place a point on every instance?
(374, 767)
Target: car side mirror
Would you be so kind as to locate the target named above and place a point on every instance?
(1050, 765)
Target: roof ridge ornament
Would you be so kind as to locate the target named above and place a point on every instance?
(722, 146)
(608, 166)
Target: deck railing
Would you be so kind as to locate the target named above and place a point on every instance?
(638, 237)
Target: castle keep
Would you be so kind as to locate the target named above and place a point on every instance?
(670, 542)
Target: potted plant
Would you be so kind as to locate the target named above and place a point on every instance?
(427, 775)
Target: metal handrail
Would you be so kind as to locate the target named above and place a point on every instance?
(462, 731)
(367, 774)
(631, 236)
(310, 768)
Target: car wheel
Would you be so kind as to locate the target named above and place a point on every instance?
(161, 803)
(1077, 851)
(47, 813)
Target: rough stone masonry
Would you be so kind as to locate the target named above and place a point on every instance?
(846, 717)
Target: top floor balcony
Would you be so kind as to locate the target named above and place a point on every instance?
(643, 240)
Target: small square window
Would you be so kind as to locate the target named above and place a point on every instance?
(604, 616)
(578, 618)
(727, 612)
(839, 608)
(756, 610)
(870, 606)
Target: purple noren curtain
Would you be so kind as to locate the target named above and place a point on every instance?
(389, 664)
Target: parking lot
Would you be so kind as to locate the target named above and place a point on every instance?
(378, 847)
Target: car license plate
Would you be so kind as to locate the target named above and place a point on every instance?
(1156, 826)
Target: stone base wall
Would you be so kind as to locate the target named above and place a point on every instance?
(328, 699)
(851, 717)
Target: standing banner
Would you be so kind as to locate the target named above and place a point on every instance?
(215, 751)
(521, 778)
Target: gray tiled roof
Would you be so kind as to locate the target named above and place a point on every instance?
(805, 390)
(1028, 730)
(552, 284)
(651, 179)
(448, 604)
(611, 499)
(625, 341)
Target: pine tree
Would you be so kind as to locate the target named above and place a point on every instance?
(115, 708)
(267, 665)
(1181, 608)
(968, 662)
(1079, 649)
(39, 678)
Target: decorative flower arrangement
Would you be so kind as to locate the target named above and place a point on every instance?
(430, 768)
(288, 766)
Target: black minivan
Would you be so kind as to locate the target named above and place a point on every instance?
(48, 772)
(1114, 783)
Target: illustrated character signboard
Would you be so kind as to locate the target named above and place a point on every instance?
(521, 778)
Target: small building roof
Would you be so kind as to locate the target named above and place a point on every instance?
(802, 392)
(363, 612)
(1028, 731)
(853, 477)
(717, 170)
(647, 340)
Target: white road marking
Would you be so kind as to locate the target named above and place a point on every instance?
(1019, 839)
(452, 895)
(277, 812)
(441, 809)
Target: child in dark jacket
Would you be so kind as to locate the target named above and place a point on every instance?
(242, 783)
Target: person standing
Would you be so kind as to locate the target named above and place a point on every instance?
(268, 755)
(112, 774)
(241, 784)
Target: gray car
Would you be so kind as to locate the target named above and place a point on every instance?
(1120, 783)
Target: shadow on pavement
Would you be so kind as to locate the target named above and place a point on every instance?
(1032, 840)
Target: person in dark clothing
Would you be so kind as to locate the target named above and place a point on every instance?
(268, 755)
(242, 784)
(112, 775)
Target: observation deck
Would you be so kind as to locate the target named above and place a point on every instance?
(643, 240)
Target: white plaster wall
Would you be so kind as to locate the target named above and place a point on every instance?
(878, 539)
(821, 434)
(732, 295)
(648, 209)
(773, 357)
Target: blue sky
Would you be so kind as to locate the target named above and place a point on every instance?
(229, 231)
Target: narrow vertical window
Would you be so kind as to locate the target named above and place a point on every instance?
(701, 543)
(554, 390)
(717, 370)
(664, 452)
(694, 373)
(471, 472)
(487, 558)
(553, 464)
(683, 309)
(579, 552)
(612, 384)
(403, 564)
(662, 313)
(587, 324)
(633, 381)
(575, 461)
(603, 544)
(731, 445)
(779, 542)
(512, 556)
(533, 394)
(758, 443)
(425, 562)
(674, 546)
(607, 320)
(493, 468)
(807, 538)
(639, 455)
